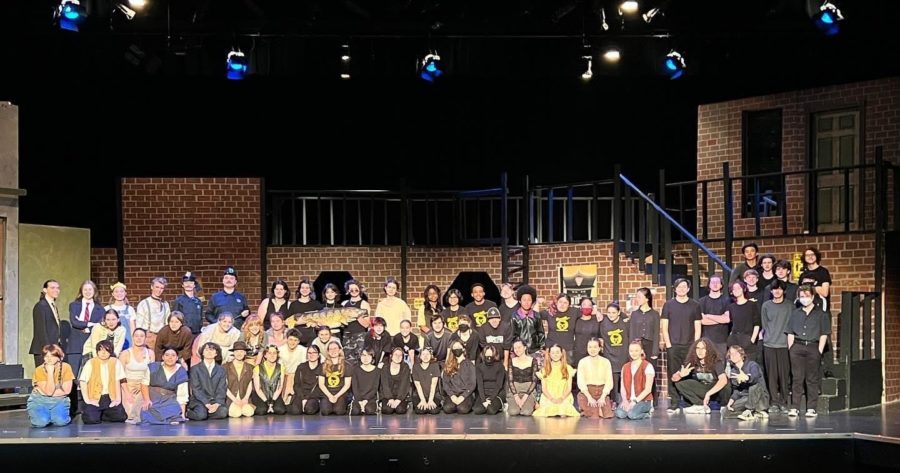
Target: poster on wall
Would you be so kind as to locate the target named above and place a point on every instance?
(578, 281)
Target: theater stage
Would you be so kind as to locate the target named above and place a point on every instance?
(865, 440)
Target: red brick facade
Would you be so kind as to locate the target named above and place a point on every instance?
(719, 140)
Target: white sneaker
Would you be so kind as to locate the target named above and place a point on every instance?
(811, 413)
(694, 410)
(793, 412)
(705, 410)
(762, 414)
(672, 411)
(746, 415)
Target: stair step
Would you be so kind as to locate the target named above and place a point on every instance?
(13, 400)
(11, 371)
(516, 269)
(20, 385)
(835, 370)
(834, 387)
(829, 404)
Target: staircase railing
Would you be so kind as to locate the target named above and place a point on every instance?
(654, 224)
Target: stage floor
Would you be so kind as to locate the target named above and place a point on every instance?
(878, 424)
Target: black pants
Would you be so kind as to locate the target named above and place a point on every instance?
(262, 407)
(805, 360)
(778, 374)
(339, 408)
(494, 407)
(435, 411)
(464, 407)
(647, 345)
(94, 415)
(694, 391)
(198, 411)
(400, 409)
(297, 407)
(357, 410)
(676, 356)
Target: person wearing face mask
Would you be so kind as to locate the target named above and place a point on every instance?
(459, 381)
(680, 322)
(468, 337)
(807, 334)
(587, 326)
(490, 381)
(614, 336)
(561, 326)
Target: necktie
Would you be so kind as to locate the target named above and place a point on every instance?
(55, 313)
(87, 312)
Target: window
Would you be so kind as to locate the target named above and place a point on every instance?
(835, 144)
(762, 155)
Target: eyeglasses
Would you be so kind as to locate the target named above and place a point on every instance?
(354, 290)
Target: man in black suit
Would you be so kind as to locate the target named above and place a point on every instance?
(46, 322)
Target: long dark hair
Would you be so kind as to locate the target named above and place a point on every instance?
(287, 289)
(712, 356)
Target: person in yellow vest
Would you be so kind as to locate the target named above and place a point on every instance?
(101, 386)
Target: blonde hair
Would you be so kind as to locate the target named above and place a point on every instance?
(564, 363)
(331, 368)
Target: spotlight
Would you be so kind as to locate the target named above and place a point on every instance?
(674, 65)
(237, 65)
(612, 55)
(430, 67)
(629, 7)
(345, 61)
(648, 17)
(137, 4)
(827, 18)
(71, 14)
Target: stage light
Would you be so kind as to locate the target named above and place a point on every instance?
(674, 65)
(430, 67)
(345, 61)
(71, 14)
(648, 17)
(236, 65)
(629, 7)
(588, 70)
(137, 4)
(603, 23)
(827, 18)
(612, 55)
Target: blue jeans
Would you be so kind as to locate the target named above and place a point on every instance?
(640, 410)
(46, 410)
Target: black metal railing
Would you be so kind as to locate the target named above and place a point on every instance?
(654, 238)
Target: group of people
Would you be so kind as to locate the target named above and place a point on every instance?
(164, 363)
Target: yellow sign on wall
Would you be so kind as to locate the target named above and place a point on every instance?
(578, 281)
(796, 266)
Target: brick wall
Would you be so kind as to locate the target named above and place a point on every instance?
(173, 225)
(104, 269)
(719, 140)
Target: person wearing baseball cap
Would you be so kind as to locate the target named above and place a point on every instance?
(229, 299)
(189, 304)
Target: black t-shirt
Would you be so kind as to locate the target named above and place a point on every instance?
(758, 296)
(365, 384)
(500, 337)
(615, 342)
(715, 333)
(306, 382)
(744, 317)
(681, 317)
(585, 330)
(478, 313)
(562, 328)
(308, 334)
(708, 375)
(506, 313)
(426, 377)
(451, 317)
(334, 382)
(815, 278)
